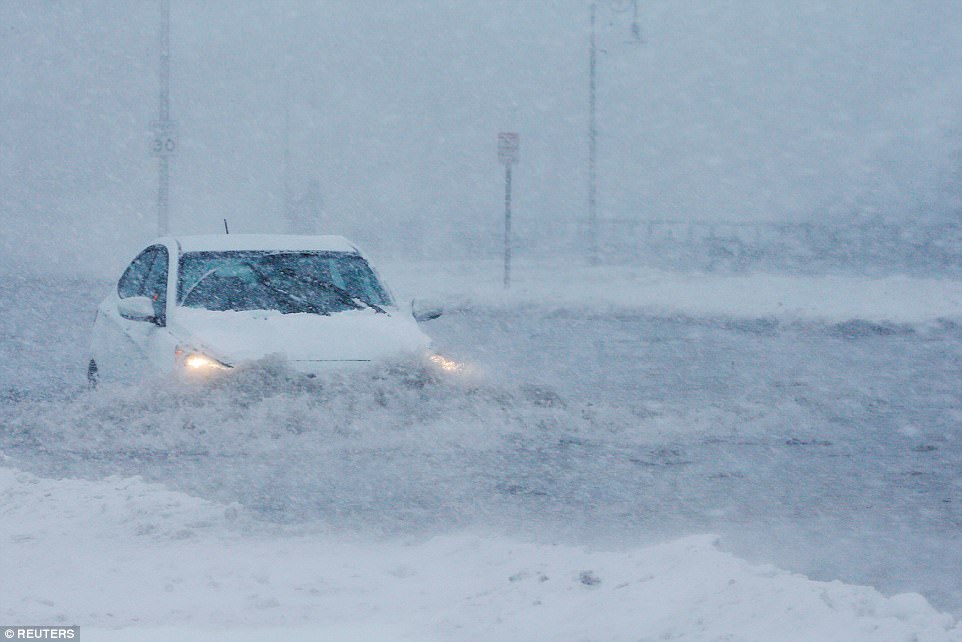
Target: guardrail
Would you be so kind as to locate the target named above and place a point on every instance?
(742, 245)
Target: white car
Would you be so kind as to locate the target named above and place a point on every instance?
(199, 304)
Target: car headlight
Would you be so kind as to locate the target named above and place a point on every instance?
(446, 365)
(194, 361)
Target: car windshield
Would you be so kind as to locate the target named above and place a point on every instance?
(290, 282)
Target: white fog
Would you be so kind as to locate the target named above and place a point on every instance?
(720, 399)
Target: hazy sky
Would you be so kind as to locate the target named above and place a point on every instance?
(729, 110)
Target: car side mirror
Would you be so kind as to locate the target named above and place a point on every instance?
(137, 308)
(422, 311)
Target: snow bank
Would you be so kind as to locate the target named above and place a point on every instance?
(128, 560)
(897, 299)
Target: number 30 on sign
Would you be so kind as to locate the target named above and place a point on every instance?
(163, 141)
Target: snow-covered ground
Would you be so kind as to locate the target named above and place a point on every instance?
(133, 561)
(635, 438)
(571, 285)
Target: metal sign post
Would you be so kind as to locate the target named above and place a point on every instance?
(508, 143)
(163, 143)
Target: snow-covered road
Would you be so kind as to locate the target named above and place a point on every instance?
(825, 444)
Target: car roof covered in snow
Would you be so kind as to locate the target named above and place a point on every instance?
(270, 242)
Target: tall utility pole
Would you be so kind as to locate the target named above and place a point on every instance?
(288, 197)
(164, 143)
(592, 146)
(593, 233)
(508, 143)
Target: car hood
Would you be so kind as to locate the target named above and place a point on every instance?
(354, 335)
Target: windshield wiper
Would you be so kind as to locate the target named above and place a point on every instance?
(293, 298)
(354, 299)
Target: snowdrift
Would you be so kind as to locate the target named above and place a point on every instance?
(129, 560)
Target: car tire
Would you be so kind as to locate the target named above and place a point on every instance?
(93, 374)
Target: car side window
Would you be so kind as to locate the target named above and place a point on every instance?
(132, 281)
(155, 285)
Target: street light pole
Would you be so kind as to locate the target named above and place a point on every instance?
(592, 146)
(593, 223)
(289, 217)
(508, 144)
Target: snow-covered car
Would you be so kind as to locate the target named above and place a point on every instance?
(199, 304)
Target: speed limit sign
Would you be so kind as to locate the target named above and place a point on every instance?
(163, 140)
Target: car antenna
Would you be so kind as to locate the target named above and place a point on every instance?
(226, 230)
